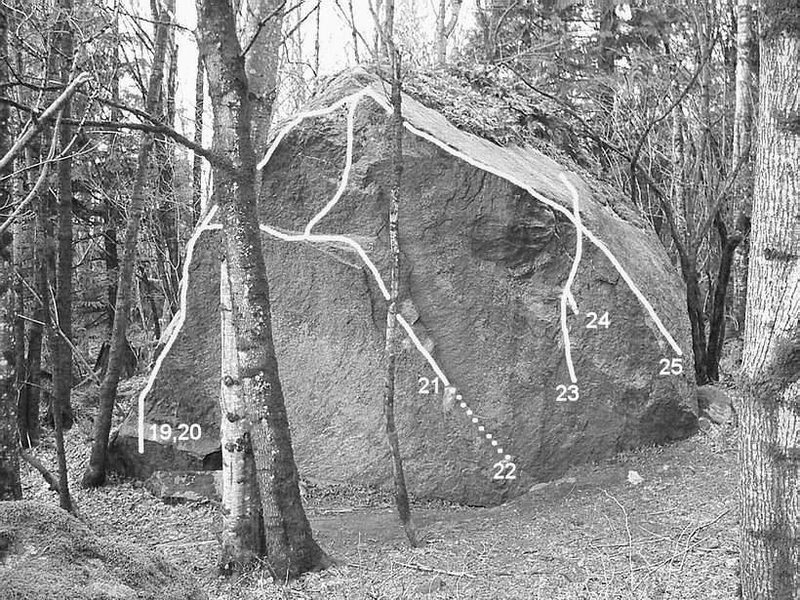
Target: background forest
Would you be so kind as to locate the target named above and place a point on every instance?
(121, 124)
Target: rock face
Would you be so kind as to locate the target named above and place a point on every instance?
(48, 554)
(485, 262)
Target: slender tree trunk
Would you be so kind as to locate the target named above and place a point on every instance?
(111, 260)
(95, 474)
(353, 31)
(242, 525)
(770, 413)
(167, 217)
(400, 491)
(27, 412)
(62, 296)
(262, 65)
(197, 160)
(317, 13)
(694, 306)
(444, 29)
(742, 134)
(10, 488)
(606, 56)
(290, 547)
(716, 321)
(110, 213)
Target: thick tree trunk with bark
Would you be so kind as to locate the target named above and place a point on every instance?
(259, 32)
(290, 547)
(770, 413)
(95, 474)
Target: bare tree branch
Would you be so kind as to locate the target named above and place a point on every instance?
(35, 125)
(278, 10)
(39, 181)
(702, 230)
(153, 126)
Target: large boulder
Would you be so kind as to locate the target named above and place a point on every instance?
(47, 554)
(485, 261)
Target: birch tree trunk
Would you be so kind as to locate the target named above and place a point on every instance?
(95, 474)
(259, 33)
(290, 547)
(242, 524)
(770, 414)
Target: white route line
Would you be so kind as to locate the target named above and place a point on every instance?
(330, 238)
(566, 295)
(302, 117)
(307, 236)
(554, 205)
(424, 351)
(348, 163)
(204, 225)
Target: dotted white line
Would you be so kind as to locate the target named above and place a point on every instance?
(481, 428)
(354, 99)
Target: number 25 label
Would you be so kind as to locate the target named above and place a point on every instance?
(671, 367)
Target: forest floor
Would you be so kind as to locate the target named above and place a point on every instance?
(591, 535)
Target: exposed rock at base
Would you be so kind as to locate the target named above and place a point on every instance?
(716, 405)
(174, 487)
(484, 267)
(51, 555)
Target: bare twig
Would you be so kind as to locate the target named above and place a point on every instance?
(630, 537)
(434, 570)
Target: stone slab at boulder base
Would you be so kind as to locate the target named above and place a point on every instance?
(485, 261)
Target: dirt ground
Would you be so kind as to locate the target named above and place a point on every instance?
(592, 535)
